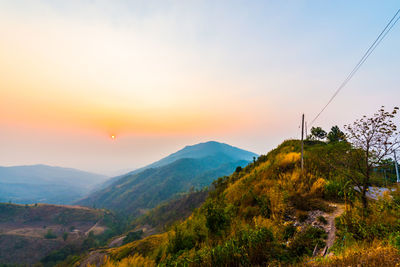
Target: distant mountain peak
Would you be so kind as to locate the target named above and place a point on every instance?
(192, 166)
(205, 149)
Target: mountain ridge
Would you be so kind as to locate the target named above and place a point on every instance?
(193, 166)
(189, 151)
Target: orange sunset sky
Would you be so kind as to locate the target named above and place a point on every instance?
(160, 75)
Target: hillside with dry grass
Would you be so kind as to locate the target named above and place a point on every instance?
(271, 213)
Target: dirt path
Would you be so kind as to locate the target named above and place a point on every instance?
(331, 226)
(97, 229)
(116, 242)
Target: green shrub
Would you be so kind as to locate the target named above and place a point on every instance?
(65, 236)
(303, 217)
(217, 216)
(50, 234)
(395, 240)
(181, 240)
(251, 247)
(289, 231)
(337, 189)
(322, 219)
(304, 242)
(132, 236)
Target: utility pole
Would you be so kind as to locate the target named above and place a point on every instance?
(395, 164)
(302, 141)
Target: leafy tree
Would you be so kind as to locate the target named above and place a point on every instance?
(65, 236)
(318, 133)
(376, 138)
(336, 135)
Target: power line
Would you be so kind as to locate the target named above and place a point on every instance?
(377, 41)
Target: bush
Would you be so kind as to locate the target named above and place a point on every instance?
(217, 216)
(132, 236)
(338, 189)
(250, 247)
(322, 219)
(50, 235)
(303, 216)
(65, 236)
(180, 240)
(380, 221)
(289, 231)
(395, 240)
(305, 241)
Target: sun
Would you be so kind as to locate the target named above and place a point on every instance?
(113, 137)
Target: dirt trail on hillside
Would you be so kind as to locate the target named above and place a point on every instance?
(331, 226)
(96, 229)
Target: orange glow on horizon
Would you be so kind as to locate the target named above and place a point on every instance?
(53, 84)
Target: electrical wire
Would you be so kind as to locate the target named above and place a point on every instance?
(377, 41)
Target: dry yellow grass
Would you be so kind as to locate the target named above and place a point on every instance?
(376, 254)
(130, 261)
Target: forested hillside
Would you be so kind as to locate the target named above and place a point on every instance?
(147, 189)
(192, 167)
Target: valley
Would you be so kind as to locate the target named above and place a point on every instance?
(28, 233)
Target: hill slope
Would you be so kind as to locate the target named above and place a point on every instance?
(194, 166)
(270, 213)
(42, 183)
(273, 213)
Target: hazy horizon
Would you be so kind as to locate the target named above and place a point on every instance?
(163, 76)
(115, 172)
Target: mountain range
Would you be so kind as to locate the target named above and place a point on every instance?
(192, 167)
(45, 184)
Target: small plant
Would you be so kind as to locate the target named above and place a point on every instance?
(289, 231)
(305, 241)
(303, 216)
(50, 235)
(322, 220)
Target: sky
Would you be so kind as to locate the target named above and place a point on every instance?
(160, 75)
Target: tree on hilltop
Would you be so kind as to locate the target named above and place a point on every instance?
(376, 138)
(336, 135)
(318, 133)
